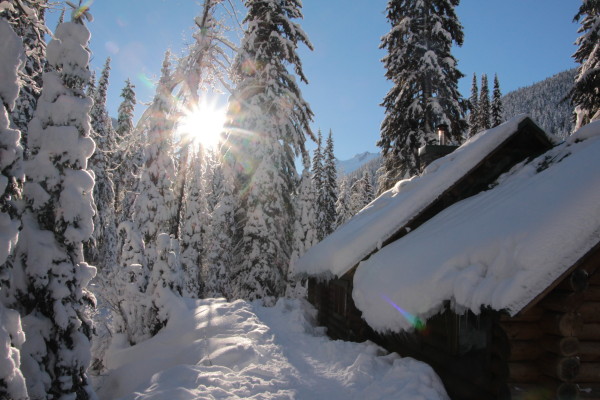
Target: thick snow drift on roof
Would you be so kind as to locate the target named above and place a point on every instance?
(212, 349)
(385, 215)
(499, 248)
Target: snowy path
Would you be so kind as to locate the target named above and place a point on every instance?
(213, 349)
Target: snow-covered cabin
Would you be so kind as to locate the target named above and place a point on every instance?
(484, 266)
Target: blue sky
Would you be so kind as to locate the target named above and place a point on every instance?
(523, 41)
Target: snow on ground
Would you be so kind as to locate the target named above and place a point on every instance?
(500, 248)
(213, 349)
(384, 216)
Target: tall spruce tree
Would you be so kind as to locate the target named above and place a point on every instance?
(51, 286)
(220, 246)
(318, 183)
(101, 250)
(12, 383)
(130, 155)
(329, 188)
(269, 122)
(473, 108)
(425, 78)
(585, 94)
(484, 114)
(497, 109)
(342, 206)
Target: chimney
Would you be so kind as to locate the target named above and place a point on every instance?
(442, 131)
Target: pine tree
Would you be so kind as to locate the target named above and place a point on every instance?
(318, 179)
(361, 193)
(473, 108)
(219, 252)
(154, 207)
(483, 114)
(102, 248)
(585, 94)
(50, 287)
(330, 191)
(267, 102)
(342, 206)
(12, 383)
(423, 72)
(27, 18)
(497, 109)
(194, 224)
(130, 155)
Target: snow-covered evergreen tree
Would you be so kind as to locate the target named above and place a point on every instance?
(51, 278)
(585, 94)
(473, 108)
(361, 193)
(269, 123)
(318, 179)
(154, 207)
(483, 112)
(194, 225)
(101, 250)
(130, 155)
(497, 110)
(305, 231)
(342, 206)
(219, 252)
(27, 18)
(12, 383)
(425, 78)
(330, 191)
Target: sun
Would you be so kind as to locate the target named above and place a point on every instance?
(203, 124)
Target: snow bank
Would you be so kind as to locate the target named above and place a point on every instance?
(384, 216)
(500, 248)
(214, 349)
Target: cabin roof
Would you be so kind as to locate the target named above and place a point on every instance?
(498, 249)
(414, 200)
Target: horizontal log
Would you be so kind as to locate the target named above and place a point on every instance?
(589, 348)
(564, 369)
(592, 293)
(589, 390)
(590, 331)
(562, 324)
(562, 346)
(588, 372)
(590, 311)
(521, 330)
(523, 372)
(560, 391)
(525, 350)
(562, 301)
(531, 315)
(578, 281)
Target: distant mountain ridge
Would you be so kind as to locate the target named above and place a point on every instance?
(346, 167)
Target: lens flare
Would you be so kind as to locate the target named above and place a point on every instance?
(203, 124)
(414, 321)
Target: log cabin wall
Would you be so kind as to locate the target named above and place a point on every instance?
(555, 344)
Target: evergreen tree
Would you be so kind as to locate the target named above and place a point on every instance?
(497, 109)
(483, 114)
(305, 232)
(154, 207)
(423, 72)
(267, 103)
(51, 284)
(342, 206)
(219, 253)
(101, 250)
(27, 18)
(193, 228)
(329, 188)
(130, 155)
(318, 179)
(585, 94)
(361, 193)
(12, 383)
(473, 108)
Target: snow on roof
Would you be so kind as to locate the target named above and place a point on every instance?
(500, 248)
(388, 213)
